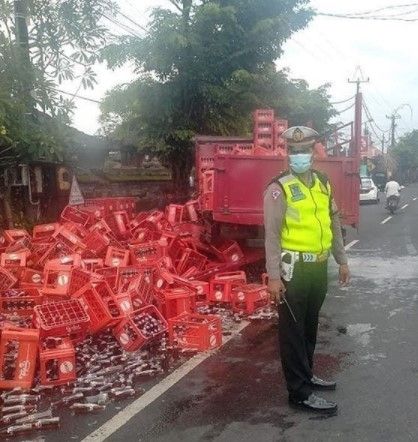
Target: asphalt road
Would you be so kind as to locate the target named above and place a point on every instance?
(368, 342)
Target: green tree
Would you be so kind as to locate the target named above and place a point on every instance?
(406, 154)
(202, 68)
(42, 44)
(59, 42)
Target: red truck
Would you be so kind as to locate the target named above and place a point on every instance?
(232, 174)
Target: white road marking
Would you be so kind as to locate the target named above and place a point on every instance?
(386, 220)
(414, 199)
(352, 244)
(120, 419)
(405, 206)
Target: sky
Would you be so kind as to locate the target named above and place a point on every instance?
(328, 50)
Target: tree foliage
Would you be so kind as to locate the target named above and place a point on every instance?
(202, 68)
(63, 41)
(406, 153)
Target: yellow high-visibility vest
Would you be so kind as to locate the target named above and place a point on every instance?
(307, 223)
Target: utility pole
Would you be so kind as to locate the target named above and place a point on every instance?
(383, 143)
(358, 113)
(22, 39)
(395, 116)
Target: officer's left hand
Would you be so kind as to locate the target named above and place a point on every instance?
(344, 275)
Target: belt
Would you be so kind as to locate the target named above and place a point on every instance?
(306, 256)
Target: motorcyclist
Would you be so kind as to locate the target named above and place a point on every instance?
(392, 191)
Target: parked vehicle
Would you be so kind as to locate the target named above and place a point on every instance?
(369, 191)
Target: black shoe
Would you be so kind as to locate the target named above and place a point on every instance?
(314, 403)
(320, 384)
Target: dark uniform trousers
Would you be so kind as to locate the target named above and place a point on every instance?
(305, 294)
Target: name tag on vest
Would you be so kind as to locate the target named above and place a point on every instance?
(297, 194)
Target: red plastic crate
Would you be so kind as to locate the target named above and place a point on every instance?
(249, 297)
(141, 291)
(163, 278)
(20, 301)
(100, 307)
(132, 336)
(124, 277)
(174, 213)
(174, 244)
(197, 332)
(191, 258)
(18, 259)
(18, 351)
(222, 284)
(70, 239)
(117, 257)
(57, 281)
(230, 252)
(13, 235)
(7, 279)
(147, 253)
(75, 215)
(62, 319)
(142, 234)
(102, 227)
(110, 275)
(31, 278)
(119, 223)
(92, 264)
(96, 242)
(175, 301)
(124, 303)
(44, 232)
(200, 288)
(57, 364)
(263, 115)
(79, 278)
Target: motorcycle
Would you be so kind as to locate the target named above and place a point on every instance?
(392, 204)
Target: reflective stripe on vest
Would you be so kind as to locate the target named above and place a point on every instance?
(307, 223)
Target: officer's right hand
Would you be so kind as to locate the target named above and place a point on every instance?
(276, 288)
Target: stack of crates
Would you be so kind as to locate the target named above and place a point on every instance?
(280, 144)
(264, 128)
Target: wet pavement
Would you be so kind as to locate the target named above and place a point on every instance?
(368, 342)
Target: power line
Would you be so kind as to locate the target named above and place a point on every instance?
(384, 8)
(372, 18)
(133, 22)
(77, 96)
(343, 101)
(126, 28)
(346, 109)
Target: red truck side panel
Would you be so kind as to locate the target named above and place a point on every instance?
(240, 181)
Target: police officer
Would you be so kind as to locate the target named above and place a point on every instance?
(302, 227)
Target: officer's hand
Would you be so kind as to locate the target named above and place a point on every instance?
(344, 275)
(276, 288)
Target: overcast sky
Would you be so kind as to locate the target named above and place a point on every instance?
(327, 51)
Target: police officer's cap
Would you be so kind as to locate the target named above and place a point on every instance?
(300, 136)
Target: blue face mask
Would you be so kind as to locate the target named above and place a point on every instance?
(301, 162)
